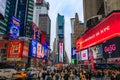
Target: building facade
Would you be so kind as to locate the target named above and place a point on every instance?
(41, 17)
(60, 37)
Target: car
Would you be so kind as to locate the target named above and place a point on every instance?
(7, 73)
(19, 75)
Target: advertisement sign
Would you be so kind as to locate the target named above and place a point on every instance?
(96, 51)
(39, 2)
(60, 51)
(33, 51)
(15, 50)
(2, 7)
(84, 54)
(42, 53)
(25, 49)
(111, 48)
(105, 30)
(36, 33)
(73, 53)
(39, 50)
(14, 28)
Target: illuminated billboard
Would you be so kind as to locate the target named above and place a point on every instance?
(2, 7)
(108, 28)
(96, 51)
(39, 2)
(73, 55)
(60, 51)
(33, 50)
(25, 49)
(42, 53)
(111, 48)
(15, 50)
(39, 46)
(14, 28)
(84, 54)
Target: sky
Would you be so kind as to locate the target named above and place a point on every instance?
(68, 8)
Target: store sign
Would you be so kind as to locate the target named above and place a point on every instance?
(105, 30)
(15, 50)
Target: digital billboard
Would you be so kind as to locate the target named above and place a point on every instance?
(84, 54)
(38, 2)
(33, 50)
(42, 53)
(14, 28)
(96, 51)
(111, 48)
(25, 49)
(60, 51)
(15, 50)
(39, 50)
(2, 7)
(36, 33)
(73, 54)
(106, 29)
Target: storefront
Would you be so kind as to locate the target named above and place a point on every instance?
(93, 39)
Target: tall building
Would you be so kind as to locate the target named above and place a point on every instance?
(93, 12)
(77, 29)
(60, 37)
(41, 17)
(111, 5)
(21, 9)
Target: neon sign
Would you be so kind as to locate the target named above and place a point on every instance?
(110, 48)
(105, 30)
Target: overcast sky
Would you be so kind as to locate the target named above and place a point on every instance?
(68, 8)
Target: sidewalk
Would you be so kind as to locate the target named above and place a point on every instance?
(107, 78)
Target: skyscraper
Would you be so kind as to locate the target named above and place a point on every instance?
(41, 17)
(60, 37)
(21, 9)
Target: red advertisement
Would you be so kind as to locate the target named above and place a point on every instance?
(15, 50)
(105, 30)
(25, 49)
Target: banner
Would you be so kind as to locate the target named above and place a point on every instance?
(15, 50)
(14, 28)
(60, 51)
(84, 54)
(25, 49)
(39, 46)
(33, 51)
(105, 30)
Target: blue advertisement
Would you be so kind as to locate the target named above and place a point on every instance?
(73, 55)
(33, 51)
(14, 28)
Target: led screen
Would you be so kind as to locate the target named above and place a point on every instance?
(60, 51)
(84, 54)
(105, 30)
(33, 50)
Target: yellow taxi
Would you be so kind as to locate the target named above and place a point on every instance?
(20, 75)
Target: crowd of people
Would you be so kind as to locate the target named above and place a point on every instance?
(73, 73)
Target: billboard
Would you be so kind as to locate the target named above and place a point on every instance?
(14, 28)
(42, 53)
(111, 48)
(108, 28)
(2, 7)
(60, 51)
(15, 50)
(84, 54)
(25, 49)
(73, 55)
(96, 51)
(33, 50)
(39, 2)
(39, 46)
(36, 33)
